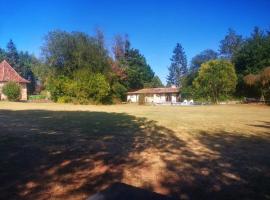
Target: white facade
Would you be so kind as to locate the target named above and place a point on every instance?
(153, 98)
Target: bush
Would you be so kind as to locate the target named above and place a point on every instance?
(119, 91)
(90, 87)
(12, 90)
(83, 88)
(64, 99)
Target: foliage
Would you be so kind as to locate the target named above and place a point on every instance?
(90, 86)
(119, 91)
(230, 44)
(202, 57)
(67, 52)
(12, 90)
(187, 90)
(85, 87)
(251, 59)
(178, 67)
(138, 71)
(155, 83)
(216, 79)
(2, 54)
(261, 80)
(12, 57)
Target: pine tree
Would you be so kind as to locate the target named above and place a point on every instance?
(12, 56)
(178, 68)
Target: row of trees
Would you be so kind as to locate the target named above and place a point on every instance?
(236, 58)
(77, 67)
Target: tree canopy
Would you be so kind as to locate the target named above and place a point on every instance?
(202, 57)
(216, 79)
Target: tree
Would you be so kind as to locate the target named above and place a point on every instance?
(155, 83)
(261, 80)
(120, 47)
(253, 56)
(178, 67)
(216, 79)
(138, 71)
(68, 52)
(2, 54)
(202, 57)
(230, 44)
(12, 57)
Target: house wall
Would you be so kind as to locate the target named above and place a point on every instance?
(152, 98)
(23, 91)
(174, 98)
(133, 98)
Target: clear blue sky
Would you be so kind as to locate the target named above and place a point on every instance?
(154, 26)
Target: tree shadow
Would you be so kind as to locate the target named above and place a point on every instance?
(70, 155)
(74, 154)
(229, 166)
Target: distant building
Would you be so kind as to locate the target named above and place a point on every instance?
(155, 95)
(7, 73)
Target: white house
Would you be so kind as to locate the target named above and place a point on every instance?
(155, 95)
(7, 73)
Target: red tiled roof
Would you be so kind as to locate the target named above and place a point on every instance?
(7, 73)
(155, 91)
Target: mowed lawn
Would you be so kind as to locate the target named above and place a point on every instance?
(62, 151)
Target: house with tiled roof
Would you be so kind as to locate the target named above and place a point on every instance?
(7, 73)
(155, 95)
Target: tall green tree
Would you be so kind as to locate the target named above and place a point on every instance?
(138, 71)
(2, 54)
(12, 57)
(178, 68)
(253, 56)
(155, 83)
(67, 52)
(231, 43)
(216, 79)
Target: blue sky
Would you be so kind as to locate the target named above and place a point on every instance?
(153, 26)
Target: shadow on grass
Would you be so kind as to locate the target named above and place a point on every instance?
(71, 155)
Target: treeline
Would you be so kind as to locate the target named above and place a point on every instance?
(77, 67)
(235, 71)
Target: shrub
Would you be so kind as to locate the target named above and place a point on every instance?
(83, 88)
(90, 87)
(119, 91)
(12, 90)
(64, 99)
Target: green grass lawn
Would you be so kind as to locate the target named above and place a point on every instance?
(63, 151)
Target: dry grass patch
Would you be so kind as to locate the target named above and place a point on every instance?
(62, 151)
